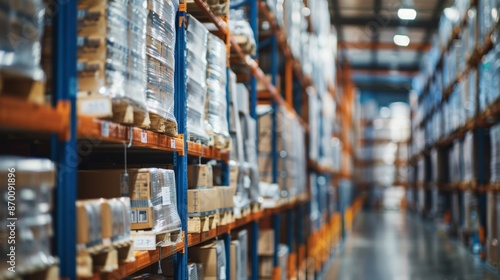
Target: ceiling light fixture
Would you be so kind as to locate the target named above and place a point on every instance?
(401, 40)
(407, 14)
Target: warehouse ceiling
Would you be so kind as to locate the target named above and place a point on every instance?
(366, 30)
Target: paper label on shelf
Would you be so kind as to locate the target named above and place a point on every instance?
(105, 129)
(94, 107)
(165, 193)
(144, 137)
(144, 242)
(172, 143)
(222, 272)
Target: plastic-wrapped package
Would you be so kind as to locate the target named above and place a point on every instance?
(196, 43)
(192, 272)
(216, 103)
(165, 213)
(213, 258)
(33, 201)
(112, 53)
(248, 126)
(486, 75)
(495, 153)
(160, 42)
(20, 37)
(242, 31)
(467, 156)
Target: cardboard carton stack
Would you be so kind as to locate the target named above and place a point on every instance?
(112, 60)
(152, 192)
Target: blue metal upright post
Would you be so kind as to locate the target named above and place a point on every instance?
(64, 152)
(254, 226)
(180, 260)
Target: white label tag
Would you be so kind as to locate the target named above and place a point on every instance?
(172, 144)
(94, 107)
(165, 193)
(144, 137)
(222, 273)
(144, 242)
(105, 129)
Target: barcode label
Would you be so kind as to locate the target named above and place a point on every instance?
(144, 137)
(172, 144)
(144, 242)
(105, 129)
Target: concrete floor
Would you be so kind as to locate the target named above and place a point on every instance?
(399, 246)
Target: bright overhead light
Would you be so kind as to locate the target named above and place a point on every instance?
(407, 14)
(401, 40)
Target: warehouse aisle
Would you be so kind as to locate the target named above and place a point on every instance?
(399, 246)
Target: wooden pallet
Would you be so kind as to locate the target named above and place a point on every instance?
(222, 143)
(225, 218)
(202, 224)
(98, 258)
(22, 87)
(162, 125)
(256, 207)
(149, 240)
(243, 212)
(125, 251)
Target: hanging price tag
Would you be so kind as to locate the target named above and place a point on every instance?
(172, 144)
(105, 129)
(144, 242)
(144, 137)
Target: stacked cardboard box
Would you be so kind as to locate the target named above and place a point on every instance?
(196, 44)
(152, 192)
(20, 48)
(112, 55)
(213, 258)
(160, 42)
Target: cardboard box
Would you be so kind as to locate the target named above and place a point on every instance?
(225, 195)
(266, 242)
(213, 258)
(200, 176)
(203, 200)
(88, 217)
(142, 188)
(235, 251)
(266, 267)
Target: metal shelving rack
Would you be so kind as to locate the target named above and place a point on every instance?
(65, 127)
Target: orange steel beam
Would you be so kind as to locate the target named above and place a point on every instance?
(383, 46)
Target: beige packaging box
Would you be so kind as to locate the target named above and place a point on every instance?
(203, 200)
(266, 242)
(235, 248)
(208, 256)
(200, 176)
(266, 267)
(89, 223)
(225, 196)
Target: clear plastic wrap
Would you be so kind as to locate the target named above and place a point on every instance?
(34, 180)
(240, 26)
(20, 37)
(164, 200)
(160, 41)
(112, 50)
(196, 39)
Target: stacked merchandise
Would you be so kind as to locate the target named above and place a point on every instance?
(112, 59)
(101, 222)
(248, 188)
(495, 154)
(212, 256)
(160, 40)
(196, 44)
(455, 163)
(152, 192)
(20, 59)
(29, 184)
(216, 103)
(265, 250)
(488, 82)
(242, 32)
(290, 154)
(421, 176)
(327, 147)
(239, 255)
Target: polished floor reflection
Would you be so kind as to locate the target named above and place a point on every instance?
(397, 246)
